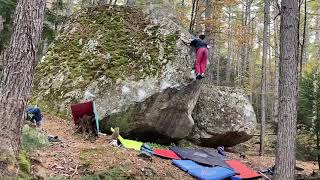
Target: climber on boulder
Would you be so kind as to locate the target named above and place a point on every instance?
(202, 55)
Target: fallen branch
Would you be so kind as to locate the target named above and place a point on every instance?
(266, 177)
(75, 171)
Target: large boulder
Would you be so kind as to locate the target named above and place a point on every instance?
(134, 61)
(223, 117)
(161, 118)
(121, 55)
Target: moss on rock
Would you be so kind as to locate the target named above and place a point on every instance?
(101, 43)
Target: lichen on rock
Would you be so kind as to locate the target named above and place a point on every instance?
(223, 117)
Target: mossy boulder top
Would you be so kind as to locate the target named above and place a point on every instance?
(120, 55)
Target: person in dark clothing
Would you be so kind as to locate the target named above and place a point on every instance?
(202, 56)
(34, 115)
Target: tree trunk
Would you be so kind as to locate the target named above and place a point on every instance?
(69, 7)
(212, 42)
(269, 76)
(198, 21)
(317, 40)
(246, 47)
(318, 149)
(239, 75)
(195, 4)
(131, 3)
(1, 23)
(306, 45)
(16, 78)
(315, 121)
(264, 73)
(218, 71)
(192, 15)
(276, 70)
(288, 85)
(229, 59)
(252, 63)
(303, 37)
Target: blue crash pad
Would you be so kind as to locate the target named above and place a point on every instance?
(211, 173)
(185, 165)
(203, 172)
(204, 157)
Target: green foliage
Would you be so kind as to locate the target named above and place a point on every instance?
(54, 17)
(157, 146)
(24, 166)
(306, 100)
(7, 8)
(185, 143)
(309, 99)
(57, 178)
(33, 139)
(309, 111)
(115, 173)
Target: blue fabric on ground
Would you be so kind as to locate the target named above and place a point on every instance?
(146, 150)
(236, 178)
(211, 173)
(202, 157)
(203, 172)
(185, 165)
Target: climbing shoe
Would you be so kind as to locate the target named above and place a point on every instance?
(199, 77)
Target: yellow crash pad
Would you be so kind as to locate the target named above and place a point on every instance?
(129, 144)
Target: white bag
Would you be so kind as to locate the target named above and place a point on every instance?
(193, 74)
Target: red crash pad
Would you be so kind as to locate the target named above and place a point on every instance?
(243, 171)
(79, 110)
(166, 153)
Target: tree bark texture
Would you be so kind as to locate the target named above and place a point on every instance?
(264, 73)
(288, 85)
(16, 78)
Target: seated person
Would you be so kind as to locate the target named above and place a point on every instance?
(34, 115)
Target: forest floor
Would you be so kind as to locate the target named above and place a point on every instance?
(77, 158)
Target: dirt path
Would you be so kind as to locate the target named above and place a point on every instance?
(76, 157)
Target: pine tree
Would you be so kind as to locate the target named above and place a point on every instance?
(288, 87)
(19, 62)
